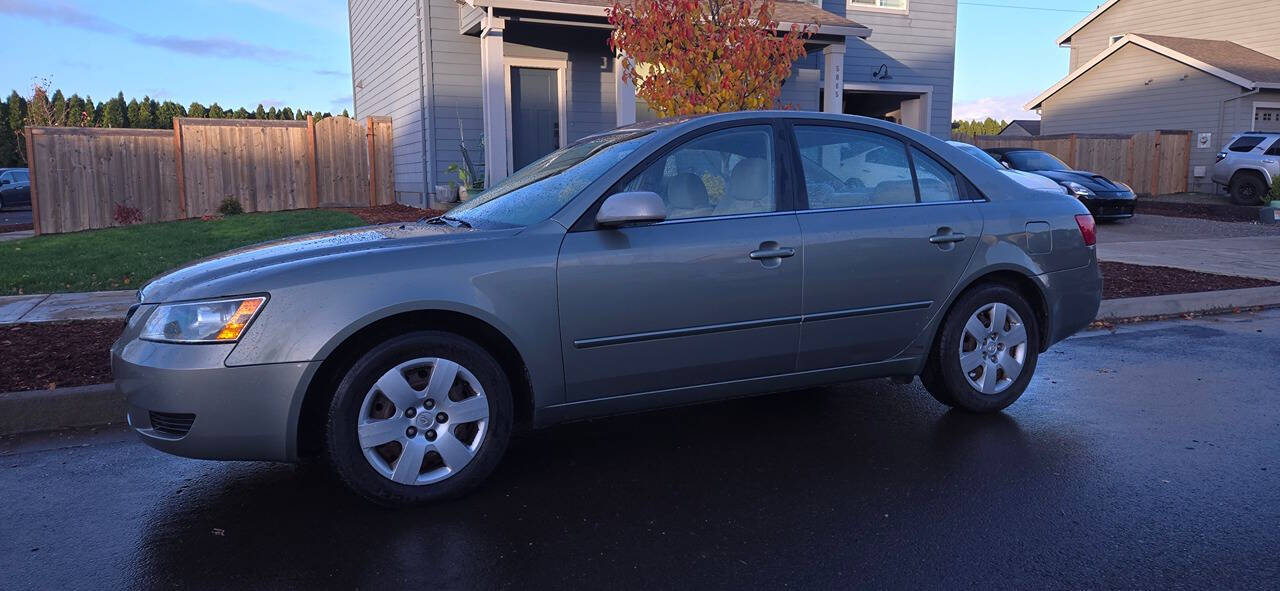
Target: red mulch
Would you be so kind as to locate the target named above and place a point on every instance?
(15, 227)
(1120, 280)
(1222, 212)
(57, 354)
(389, 214)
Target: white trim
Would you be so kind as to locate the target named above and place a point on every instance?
(561, 66)
(1065, 38)
(1153, 46)
(924, 90)
(906, 7)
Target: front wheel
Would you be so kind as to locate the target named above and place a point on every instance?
(422, 417)
(986, 352)
(1248, 189)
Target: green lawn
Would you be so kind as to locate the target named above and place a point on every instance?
(126, 257)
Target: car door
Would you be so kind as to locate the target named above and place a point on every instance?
(712, 294)
(882, 251)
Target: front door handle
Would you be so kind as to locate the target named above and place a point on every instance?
(779, 252)
(947, 238)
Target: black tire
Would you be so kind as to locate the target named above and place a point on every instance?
(342, 445)
(943, 376)
(1248, 189)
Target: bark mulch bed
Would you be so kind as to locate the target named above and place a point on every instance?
(390, 214)
(15, 227)
(1221, 212)
(1121, 280)
(57, 354)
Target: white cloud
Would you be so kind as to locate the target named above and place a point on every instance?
(999, 108)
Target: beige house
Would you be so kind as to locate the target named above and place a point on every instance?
(1208, 66)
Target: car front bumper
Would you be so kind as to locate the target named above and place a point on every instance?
(183, 399)
(1111, 206)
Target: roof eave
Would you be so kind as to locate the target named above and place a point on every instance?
(1065, 39)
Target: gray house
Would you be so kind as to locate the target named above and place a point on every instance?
(1140, 65)
(515, 79)
(1021, 128)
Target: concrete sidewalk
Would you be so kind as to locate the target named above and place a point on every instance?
(66, 306)
(1243, 257)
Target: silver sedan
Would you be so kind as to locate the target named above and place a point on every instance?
(675, 262)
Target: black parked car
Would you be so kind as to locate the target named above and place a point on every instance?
(1105, 198)
(15, 188)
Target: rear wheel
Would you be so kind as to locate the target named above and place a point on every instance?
(422, 417)
(1248, 188)
(986, 352)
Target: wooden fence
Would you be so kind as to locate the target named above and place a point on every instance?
(1152, 162)
(80, 175)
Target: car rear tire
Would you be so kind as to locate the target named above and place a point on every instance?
(390, 435)
(985, 354)
(1248, 189)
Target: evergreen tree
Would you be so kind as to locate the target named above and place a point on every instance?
(241, 113)
(299, 115)
(133, 113)
(17, 111)
(260, 113)
(345, 113)
(91, 112)
(114, 114)
(75, 111)
(286, 114)
(58, 108)
(273, 114)
(197, 110)
(166, 113)
(215, 111)
(7, 140)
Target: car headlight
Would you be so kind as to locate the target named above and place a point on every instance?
(210, 321)
(1126, 187)
(1078, 189)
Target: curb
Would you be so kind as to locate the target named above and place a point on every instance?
(1189, 303)
(48, 410)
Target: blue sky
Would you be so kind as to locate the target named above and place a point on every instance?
(295, 52)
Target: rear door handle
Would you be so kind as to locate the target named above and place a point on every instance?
(947, 238)
(780, 252)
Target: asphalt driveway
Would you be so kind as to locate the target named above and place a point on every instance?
(1149, 458)
(15, 217)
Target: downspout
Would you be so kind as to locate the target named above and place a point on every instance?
(426, 96)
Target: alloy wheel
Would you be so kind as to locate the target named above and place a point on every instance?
(423, 421)
(993, 348)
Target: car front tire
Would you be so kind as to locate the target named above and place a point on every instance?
(419, 418)
(986, 352)
(1248, 189)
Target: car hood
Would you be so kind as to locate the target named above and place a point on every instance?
(1092, 181)
(184, 282)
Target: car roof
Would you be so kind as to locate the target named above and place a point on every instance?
(1011, 150)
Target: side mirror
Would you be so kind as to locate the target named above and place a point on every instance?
(1005, 163)
(4, 181)
(631, 208)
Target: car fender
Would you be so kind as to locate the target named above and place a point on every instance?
(1266, 174)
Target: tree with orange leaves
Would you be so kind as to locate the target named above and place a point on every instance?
(688, 57)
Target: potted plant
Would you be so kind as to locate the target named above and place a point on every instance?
(1271, 214)
(464, 180)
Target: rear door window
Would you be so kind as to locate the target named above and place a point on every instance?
(1246, 143)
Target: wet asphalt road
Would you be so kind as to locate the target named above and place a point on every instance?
(1148, 458)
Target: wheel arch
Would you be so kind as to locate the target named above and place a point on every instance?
(1261, 172)
(1018, 280)
(320, 389)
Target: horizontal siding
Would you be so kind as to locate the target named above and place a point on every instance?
(1116, 97)
(455, 77)
(385, 69)
(1251, 23)
(919, 48)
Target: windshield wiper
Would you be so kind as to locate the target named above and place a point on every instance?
(449, 220)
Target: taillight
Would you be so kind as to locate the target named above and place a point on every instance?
(1088, 229)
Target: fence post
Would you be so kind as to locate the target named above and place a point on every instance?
(1186, 168)
(1155, 167)
(1074, 157)
(31, 170)
(182, 177)
(315, 162)
(1129, 175)
(373, 184)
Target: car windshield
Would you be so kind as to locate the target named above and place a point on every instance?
(1034, 160)
(978, 153)
(538, 190)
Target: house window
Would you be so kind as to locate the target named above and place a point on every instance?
(885, 5)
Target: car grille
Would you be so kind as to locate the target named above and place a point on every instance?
(172, 423)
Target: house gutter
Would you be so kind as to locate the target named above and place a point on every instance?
(426, 98)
